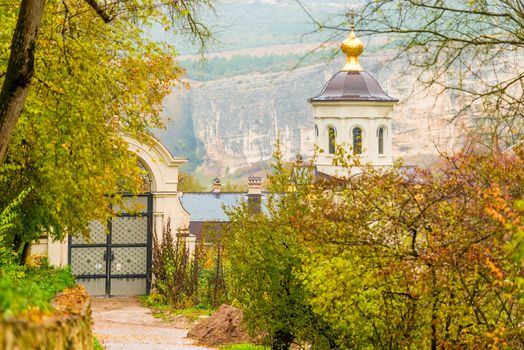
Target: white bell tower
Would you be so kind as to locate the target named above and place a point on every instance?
(353, 110)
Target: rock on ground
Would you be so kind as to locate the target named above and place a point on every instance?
(221, 328)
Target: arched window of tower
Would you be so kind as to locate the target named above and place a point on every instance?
(357, 140)
(332, 134)
(380, 135)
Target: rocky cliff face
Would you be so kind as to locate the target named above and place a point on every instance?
(227, 125)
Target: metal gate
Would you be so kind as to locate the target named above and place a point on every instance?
(117, 258)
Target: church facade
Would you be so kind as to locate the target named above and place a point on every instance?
(353, 112)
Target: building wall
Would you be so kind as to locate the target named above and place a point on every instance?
(56, 251)
(345, 116)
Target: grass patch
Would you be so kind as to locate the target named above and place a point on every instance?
(194, 311)
(243, 346)
(153, 302)
(28, 287)
(161, 309)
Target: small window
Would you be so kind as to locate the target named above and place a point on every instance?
(316, 130)
(381, 140)
(332, 133)
(357, 140)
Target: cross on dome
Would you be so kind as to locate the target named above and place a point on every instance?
(351, 17)
(352, 47)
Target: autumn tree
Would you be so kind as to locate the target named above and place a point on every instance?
(94, 80)
(391, 258)
(412, 257)
(24, 40)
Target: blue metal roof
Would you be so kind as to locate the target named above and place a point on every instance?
(208, 206)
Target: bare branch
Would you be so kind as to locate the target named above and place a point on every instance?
(101, 12)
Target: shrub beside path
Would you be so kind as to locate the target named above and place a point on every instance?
(122, 323)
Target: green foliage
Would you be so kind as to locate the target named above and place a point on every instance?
(9, 225)
(412, 259)
(8, 219)
(234, 187)
(265, 255)
(213, 284)
(176, 270)
(263, 280)
(94, 82)
(185, 278)
(243, 346)
(189, 183)
(27, 287)
(517, 242)
(512, 218)
(154, 300)
(392, 258)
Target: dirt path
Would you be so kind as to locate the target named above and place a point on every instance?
(122, 323)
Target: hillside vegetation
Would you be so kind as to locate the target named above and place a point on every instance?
(219, 67)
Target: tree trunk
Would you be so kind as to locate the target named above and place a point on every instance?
(20, 69)
(281, 340)
(24, 254)
(21, 248)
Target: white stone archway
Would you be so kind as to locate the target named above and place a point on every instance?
(163, 171)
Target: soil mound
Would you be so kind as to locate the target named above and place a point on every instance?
(222, 328)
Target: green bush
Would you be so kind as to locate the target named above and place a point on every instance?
(24, 287)
(185, 278)
(176, 271)
(265, 254)
(212, 284)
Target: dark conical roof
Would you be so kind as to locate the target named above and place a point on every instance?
(353, 86)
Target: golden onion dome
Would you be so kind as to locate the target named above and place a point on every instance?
(352, 47)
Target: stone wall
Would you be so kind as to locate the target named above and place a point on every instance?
(68, 326)
(56, 251)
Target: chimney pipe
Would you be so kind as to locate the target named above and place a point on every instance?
(217, 186)
(254, 185)
(254, 194)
